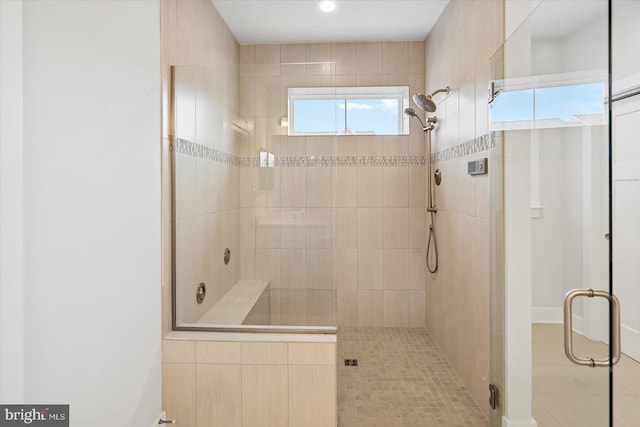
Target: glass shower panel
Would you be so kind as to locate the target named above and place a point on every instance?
(287, 219)
(254, 219)
(626, 209)
(206, 136)
(551, 110)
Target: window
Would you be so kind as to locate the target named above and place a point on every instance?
(555, 105)
(348, 111)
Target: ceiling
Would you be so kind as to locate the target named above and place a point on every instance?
(554, 20)
(300, 21)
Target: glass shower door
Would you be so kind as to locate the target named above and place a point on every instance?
(550, 120)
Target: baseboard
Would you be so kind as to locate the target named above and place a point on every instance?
(546, 315)
(506, 422)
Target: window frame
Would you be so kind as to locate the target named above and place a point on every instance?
(401, 93)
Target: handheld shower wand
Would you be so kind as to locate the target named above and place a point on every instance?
(426, 103)
(430, 120)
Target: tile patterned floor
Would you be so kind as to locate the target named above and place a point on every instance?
(402, 380)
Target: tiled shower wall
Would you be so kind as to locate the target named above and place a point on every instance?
(338, 217)
(457, 54)
(205, 55)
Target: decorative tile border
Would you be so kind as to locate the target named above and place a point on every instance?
(475, 145)
(192, 149)
(332, 161)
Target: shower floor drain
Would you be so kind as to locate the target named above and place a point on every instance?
(350, 362)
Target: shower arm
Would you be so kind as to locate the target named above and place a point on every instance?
(445, 90)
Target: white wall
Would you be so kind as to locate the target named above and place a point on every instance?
(11, 271)
(626, 69)
(91, 209)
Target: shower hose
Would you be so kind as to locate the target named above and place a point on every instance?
(432, 236)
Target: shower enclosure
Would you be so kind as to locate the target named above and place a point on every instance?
(289, 203)
(564, 190)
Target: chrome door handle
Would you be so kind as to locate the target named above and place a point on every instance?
(568, 329)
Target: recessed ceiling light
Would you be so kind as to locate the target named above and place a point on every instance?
(327, 5)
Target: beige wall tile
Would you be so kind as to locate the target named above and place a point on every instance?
(262, 353)
(396, 308)
(418, 228)
(312, 396)
(395, 58)
(319, 229)
(327, 79)
(395, 145)
(345, 235)
(319, 269)
(395, 269)
(395, 227)
(319, 52)
(293, 230)
(370, 79)
(345, 268)
(482, 194)
(218, 352)
(268, 228)
(312, 354)
(179, 392)
(346, 145)
(267, 96)
(369, 146)
(268, 266)
(370, 268)
(369, 228)
(417, 268)
(416, 185)
(186, 259)
(174, 351)
(265, 400)
(321, 145)
(345, 186)
(293, 146)
(318, 187)
(320, 307)
(370, 308)
(344, 55)
(467, 101)
(218, 395)
(394, 80)
(416, 308)
(291, 53)
(347, 308)
(370, 186)
(293, 187)
(185, 186)
(395, 184)
(369, 58)
(293, 273)
(248, 54)
(415, 51)
(267, 54)
(293, 307)
(346, 80)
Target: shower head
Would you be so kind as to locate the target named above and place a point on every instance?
(425, 102)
